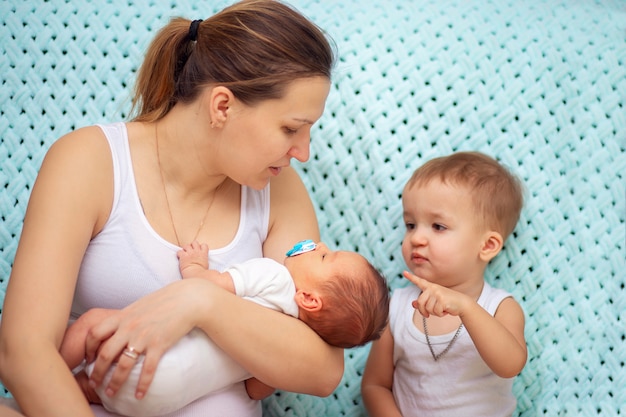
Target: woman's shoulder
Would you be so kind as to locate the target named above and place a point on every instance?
(288, 179)
(287, 188)
(292, 215)
(81, 157)
(76, 177)
(85, 141)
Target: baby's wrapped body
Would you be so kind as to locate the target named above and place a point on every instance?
(195, 366)
(192, 368)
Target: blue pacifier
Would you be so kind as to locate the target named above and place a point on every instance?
(302, 247)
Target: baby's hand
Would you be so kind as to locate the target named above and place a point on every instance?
(193, 258)
(435, 299)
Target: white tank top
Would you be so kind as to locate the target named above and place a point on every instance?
(459, 383)
(128, 260)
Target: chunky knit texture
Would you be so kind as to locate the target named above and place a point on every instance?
(538, 84)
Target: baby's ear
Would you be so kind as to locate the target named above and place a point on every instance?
(492, 245)
(308, 301)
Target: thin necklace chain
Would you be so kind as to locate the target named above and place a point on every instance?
(167, 200)
(436, 357)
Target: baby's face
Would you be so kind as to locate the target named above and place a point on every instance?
(312, 268)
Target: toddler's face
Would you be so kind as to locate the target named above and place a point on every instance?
(442, 240)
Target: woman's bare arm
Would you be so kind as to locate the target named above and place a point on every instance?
(68, 204)
(279, 350)
(292, 219)
(9, 412)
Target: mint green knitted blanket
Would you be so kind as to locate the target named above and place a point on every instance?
(538, 84)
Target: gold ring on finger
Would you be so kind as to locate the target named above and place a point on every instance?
(131, 352)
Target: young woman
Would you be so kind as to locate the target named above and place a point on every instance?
(222, 107)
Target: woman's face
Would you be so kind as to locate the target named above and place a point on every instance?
(260, 140)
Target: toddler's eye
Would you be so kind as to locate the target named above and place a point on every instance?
(439, 227)
(409, 226)
(290, 131)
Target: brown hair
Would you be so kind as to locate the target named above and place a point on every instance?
(496, 193)
(254, 47)
(355, 309)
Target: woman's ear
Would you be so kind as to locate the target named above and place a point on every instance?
(308, 301)
(492, 244)
(220, 101)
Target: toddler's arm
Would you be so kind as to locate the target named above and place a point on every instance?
(378, 378)
(194, 263)
(499, 339)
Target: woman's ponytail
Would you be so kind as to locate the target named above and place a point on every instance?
(253, 47)
(156, 80)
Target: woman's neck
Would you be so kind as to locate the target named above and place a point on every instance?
(184, 155)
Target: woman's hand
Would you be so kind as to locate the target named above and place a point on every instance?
(150, 326)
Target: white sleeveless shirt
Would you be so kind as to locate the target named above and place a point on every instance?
(459, 383)
(128, 260)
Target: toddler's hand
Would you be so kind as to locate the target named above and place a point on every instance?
(435, 299)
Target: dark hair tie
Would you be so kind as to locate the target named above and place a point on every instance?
(193, 30)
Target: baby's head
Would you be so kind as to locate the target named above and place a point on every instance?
(340, 295)
(497, 195)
